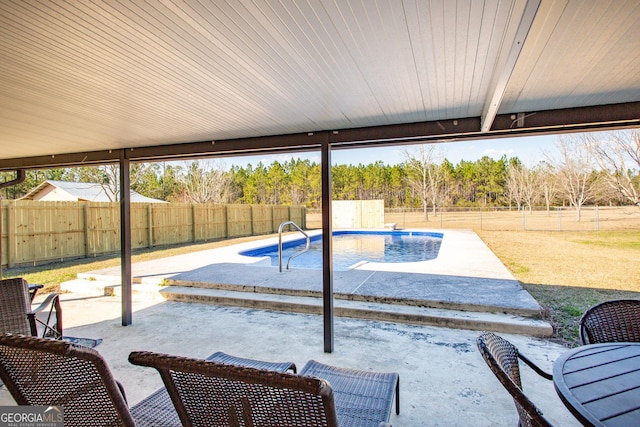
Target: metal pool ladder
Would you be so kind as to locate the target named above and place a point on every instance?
(280, 243)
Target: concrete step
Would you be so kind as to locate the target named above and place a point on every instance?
(111, 288)
(411, 314)
(87, 286)
(497, 322)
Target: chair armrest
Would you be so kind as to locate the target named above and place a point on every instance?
(48, 315)
(48, 302)
(121, 387)
(535, 367)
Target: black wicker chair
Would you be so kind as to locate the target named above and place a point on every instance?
(46, 372)
(611, 321)
(502, 358)
(17, 316)
(162, 399)
(208, 393)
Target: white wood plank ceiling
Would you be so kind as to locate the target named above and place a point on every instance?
(83, 75)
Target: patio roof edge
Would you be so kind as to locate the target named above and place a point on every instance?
(603, 117)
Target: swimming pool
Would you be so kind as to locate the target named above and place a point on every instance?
(354, 247)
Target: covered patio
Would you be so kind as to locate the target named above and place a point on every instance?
(90, 83)
(443, 379)
(106, 82)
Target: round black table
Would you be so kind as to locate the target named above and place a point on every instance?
(600, 383)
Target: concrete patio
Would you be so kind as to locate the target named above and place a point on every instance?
(443, 379)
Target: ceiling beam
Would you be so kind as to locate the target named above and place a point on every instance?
(602, 117)
(491, 108)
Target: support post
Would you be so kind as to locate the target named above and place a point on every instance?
(327, 253)
(125, 239)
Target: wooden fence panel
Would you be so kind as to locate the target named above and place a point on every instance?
(280, 215)
(210, 222)
(262, 219)
(298, 215)
(357, 213)
(3, 228)
(103, 227)
(37, 232)
(140, 223)
(172, 224)
(239, 220)
(43, 231)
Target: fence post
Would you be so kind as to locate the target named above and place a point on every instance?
(150, 225)
(193, 222)
(252, 218)
(87, 239)
(481, 218)
(11, 231)
(524, 218)
(303, 218)
(597, 218)
(274, 227)
(404, 218)
(226, 215)
(559, 218)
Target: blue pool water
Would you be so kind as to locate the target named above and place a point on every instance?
(353, 247)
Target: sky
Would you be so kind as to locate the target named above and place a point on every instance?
(530, 150)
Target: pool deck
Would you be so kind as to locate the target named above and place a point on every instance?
(466, 278)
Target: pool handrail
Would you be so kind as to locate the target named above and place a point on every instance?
(280, 243)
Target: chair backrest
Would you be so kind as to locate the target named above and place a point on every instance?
(502, 358)
(48, 372)
(611, 321)
(15, 303)
(210, 393)
(18, 317)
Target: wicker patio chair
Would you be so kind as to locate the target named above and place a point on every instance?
(208, 393)
(611, 321)
(162, 399)
(502, 358)
(48, 372)
(358, 389)
(18, 317)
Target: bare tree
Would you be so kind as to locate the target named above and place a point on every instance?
(205, 182)
(548, 184)
(575, 167)
(618, 153)
(425, 172)
(108, 177)
(513, 184)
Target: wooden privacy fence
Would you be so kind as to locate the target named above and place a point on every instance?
(357, 213)
(37, 232)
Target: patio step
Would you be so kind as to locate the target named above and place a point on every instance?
(410, 314)
(102, 287)
(471, 320)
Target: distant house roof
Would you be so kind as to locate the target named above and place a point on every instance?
(64, 191)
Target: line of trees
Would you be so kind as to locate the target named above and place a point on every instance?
(592, 168)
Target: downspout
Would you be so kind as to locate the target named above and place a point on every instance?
(22, 175)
